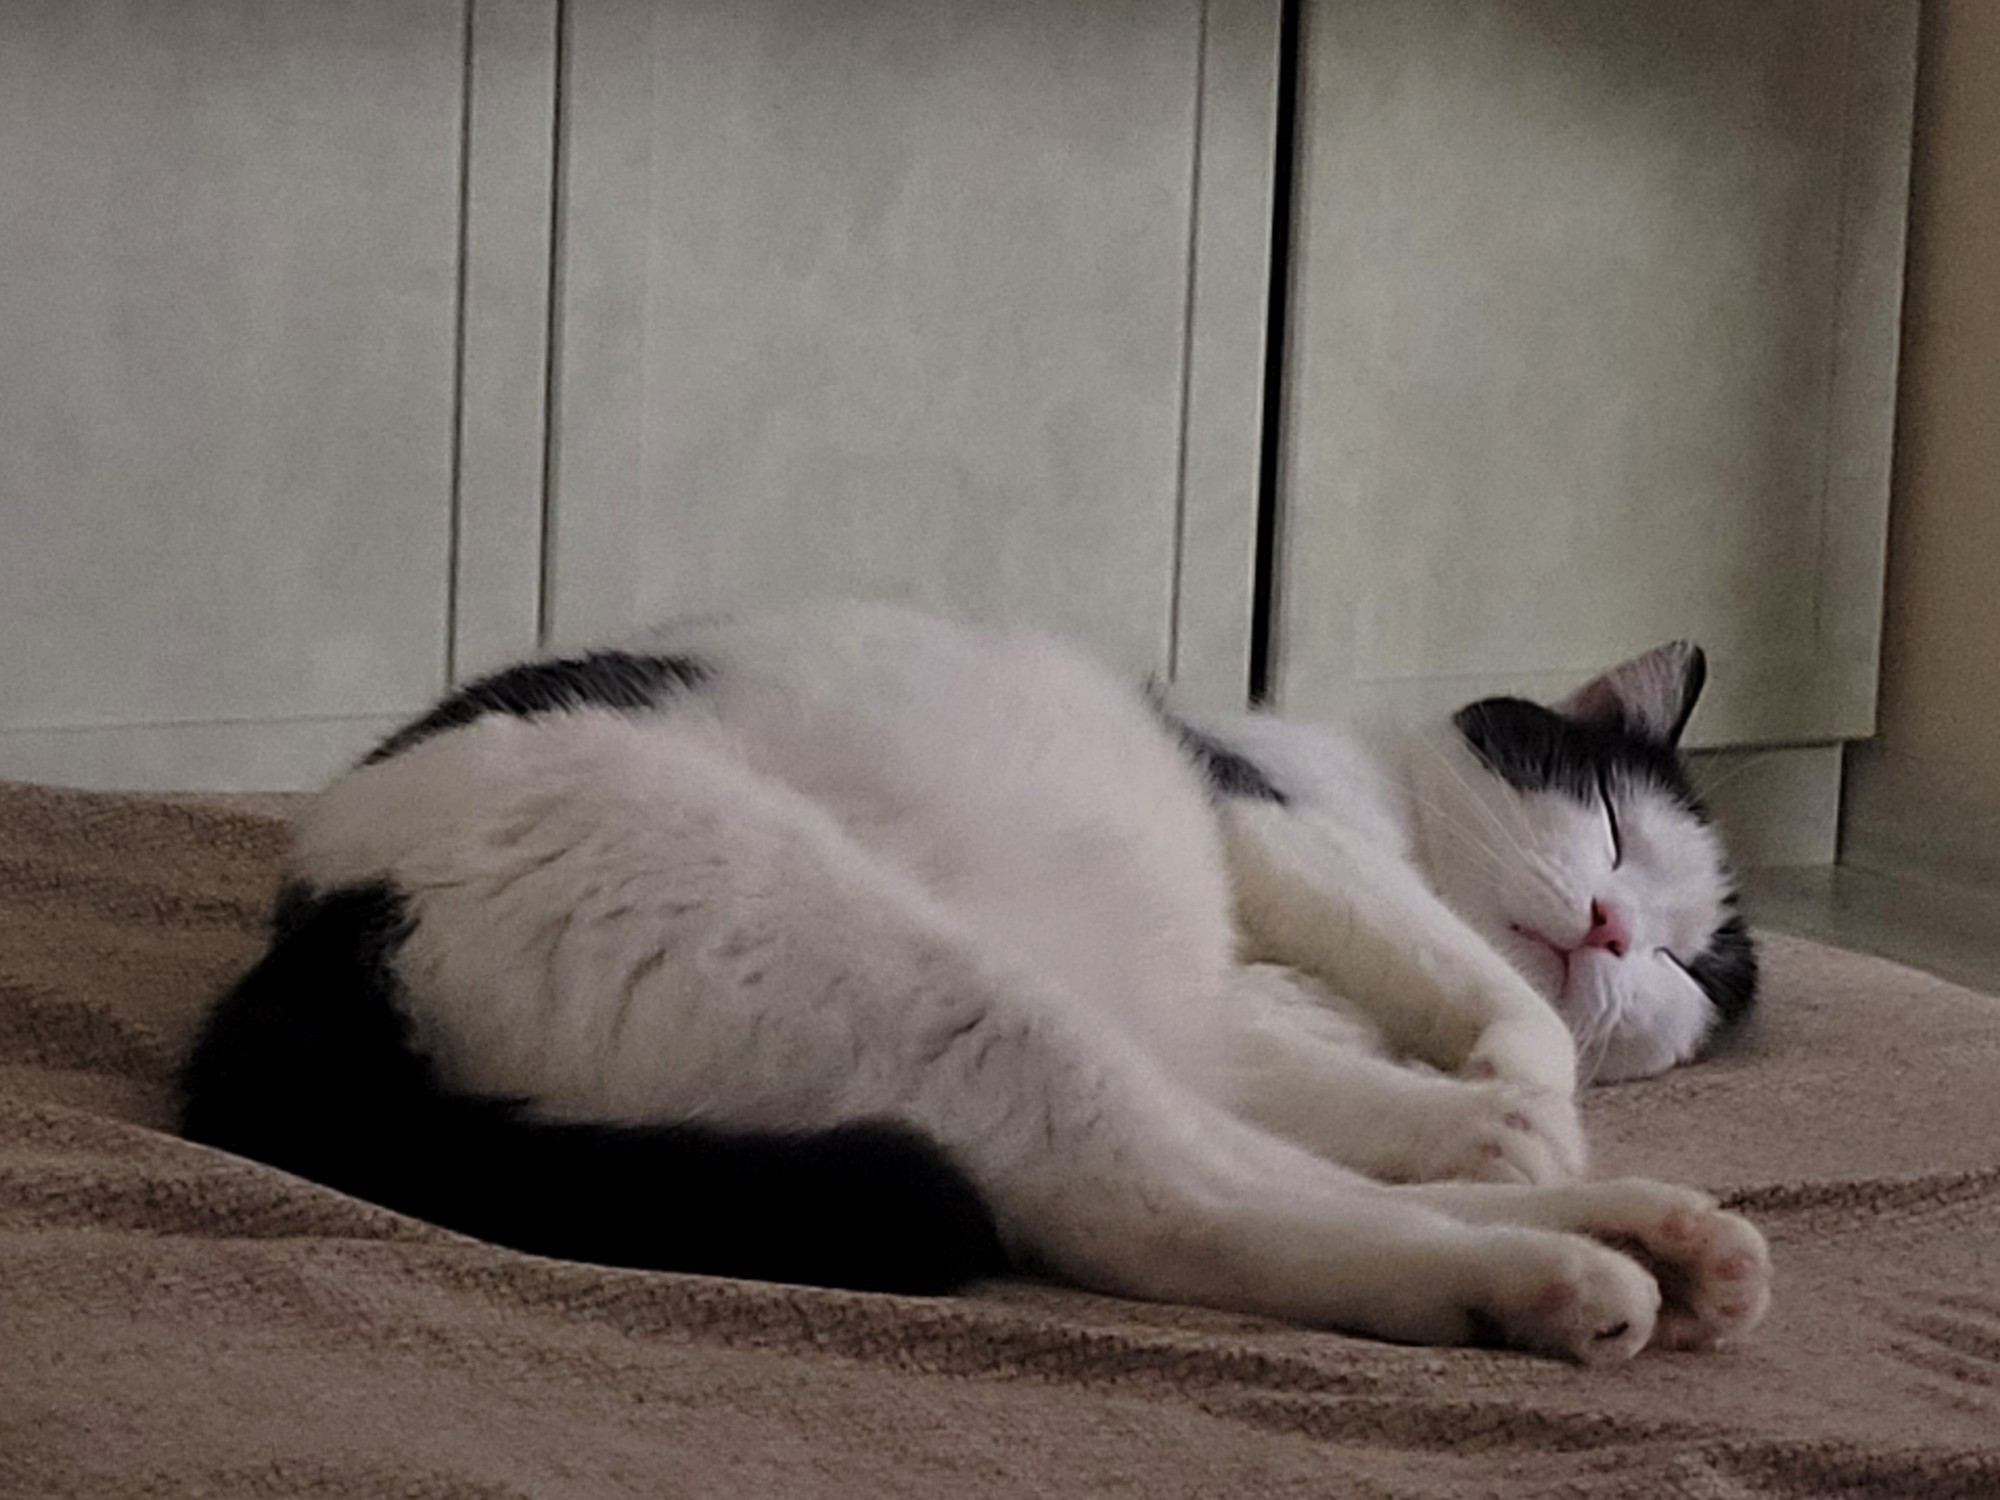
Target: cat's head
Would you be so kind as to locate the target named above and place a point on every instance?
(1574, 842)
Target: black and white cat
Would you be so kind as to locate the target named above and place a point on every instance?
(863, 949)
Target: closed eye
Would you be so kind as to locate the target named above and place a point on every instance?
(1611, 822)
(1668, 955)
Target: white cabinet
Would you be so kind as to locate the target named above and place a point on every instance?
(898, 300)
(354, 347)
(228, 260)
(1593, 346)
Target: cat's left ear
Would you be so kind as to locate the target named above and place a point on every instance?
(1650, 696)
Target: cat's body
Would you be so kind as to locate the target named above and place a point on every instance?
(862, 948)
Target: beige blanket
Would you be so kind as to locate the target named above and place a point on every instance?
(176, 1322)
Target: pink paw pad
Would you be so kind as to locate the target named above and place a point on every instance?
(1555, 1298)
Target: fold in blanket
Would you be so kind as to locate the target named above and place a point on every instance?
(174, 1321)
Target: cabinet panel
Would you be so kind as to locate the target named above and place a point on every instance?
(504, 352)
(228, 260)
(886, 299)
(1594, 346)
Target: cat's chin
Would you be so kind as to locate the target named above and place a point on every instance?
(1577, 986)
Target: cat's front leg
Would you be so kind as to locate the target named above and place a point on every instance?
(1306, 1066)
(1311, 897)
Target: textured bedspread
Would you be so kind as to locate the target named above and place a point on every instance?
(174, 1321)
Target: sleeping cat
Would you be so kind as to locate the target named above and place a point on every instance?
(858, 948)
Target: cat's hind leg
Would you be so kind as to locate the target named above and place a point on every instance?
(1116, 1178)
(1110, 1178)
(1104, 1171)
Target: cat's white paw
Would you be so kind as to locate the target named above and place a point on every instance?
(1534, 1049)
(1563, 1295)
(1496, 1132)
(1713, 1267)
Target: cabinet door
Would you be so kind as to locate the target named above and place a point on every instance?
(227, 298)
(894, 299)
(1593, 345)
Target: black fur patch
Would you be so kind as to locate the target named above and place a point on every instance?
(599, 679)
(1727, 973)
(307, 1065)
(1228, 773)
(1535, 749)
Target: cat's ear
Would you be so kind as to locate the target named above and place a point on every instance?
(1651, 695)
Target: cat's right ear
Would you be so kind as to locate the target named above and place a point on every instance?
(1651, 696)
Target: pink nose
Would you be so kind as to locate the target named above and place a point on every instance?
(1607, 930)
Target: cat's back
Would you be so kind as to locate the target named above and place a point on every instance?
(1021, 783)
(888, 715)
(1017, 776)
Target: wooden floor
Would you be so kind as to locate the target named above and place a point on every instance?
(1947, 930)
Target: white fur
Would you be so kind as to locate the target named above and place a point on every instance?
(878, 865)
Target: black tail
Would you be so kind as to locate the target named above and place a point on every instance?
(307, 1065)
